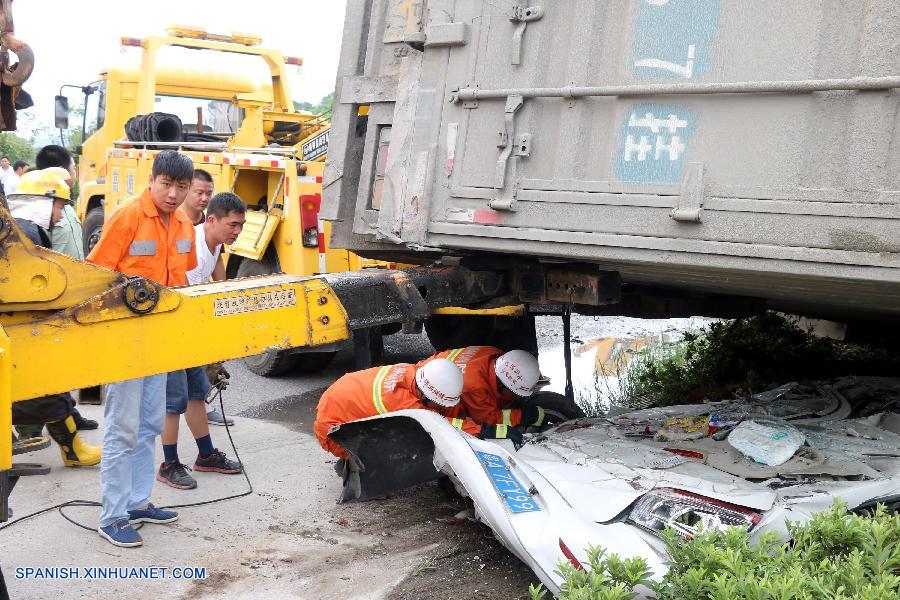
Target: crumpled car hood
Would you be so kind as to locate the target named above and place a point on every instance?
(584, 477)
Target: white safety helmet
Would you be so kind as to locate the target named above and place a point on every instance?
(441, 381)
(518, 371)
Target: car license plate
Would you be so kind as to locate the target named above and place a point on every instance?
(507, 485)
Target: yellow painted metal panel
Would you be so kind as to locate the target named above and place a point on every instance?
(503, 311)
(256, 235)
(213, 322)
(5, 402)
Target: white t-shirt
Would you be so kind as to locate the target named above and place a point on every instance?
(11, 184)
(5, 173)
(206, 260)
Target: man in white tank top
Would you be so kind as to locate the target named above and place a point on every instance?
(186, 390)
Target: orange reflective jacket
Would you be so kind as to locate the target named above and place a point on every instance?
(480, 399)
(136, 242)
(367, 393)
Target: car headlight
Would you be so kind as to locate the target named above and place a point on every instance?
(688, 513)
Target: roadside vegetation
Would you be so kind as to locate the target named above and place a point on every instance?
(737, 357)
(835, 555)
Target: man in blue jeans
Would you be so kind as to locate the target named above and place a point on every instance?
(146, 237)
(187, 389)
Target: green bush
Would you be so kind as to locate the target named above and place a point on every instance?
(744, 356)
(835, 556)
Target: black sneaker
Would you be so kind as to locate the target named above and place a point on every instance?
(217, 462)
(82, 424)
(175, 475)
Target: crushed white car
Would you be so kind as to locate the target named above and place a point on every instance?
(618, 481)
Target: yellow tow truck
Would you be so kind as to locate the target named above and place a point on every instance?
(245, 132)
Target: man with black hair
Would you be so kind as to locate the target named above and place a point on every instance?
(198, 197)
(5, 169)
(195, 204)
(66, 235)
(148, 237)
(37, 207)
(186, 390)
(12, 182)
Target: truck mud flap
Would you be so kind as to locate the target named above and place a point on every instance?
(396, 453)
(375, 297)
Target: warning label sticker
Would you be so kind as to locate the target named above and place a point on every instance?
(253, 302)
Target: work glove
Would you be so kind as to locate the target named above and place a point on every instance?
(533, 415)
(502, 432)
(218, 375)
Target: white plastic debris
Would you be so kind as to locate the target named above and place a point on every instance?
(767, 441)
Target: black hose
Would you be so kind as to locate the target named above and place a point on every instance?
(155, 127)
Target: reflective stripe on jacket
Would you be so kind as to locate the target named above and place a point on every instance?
(136, 242)
(367, 393)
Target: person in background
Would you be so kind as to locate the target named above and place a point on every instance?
(37, 207)
(195, 204)
(198, 197)
(12, 182)
(186, 389)
(147, 237)
(5, 170)
(66, 235)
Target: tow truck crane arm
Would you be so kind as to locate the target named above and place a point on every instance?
(66, 325)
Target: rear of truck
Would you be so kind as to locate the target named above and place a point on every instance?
(701, 150)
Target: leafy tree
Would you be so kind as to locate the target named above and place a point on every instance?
(324, 107)
(16, 148)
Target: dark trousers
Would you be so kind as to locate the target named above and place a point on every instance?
(45, 409)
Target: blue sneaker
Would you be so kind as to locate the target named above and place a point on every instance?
(121, 533)
(151, 514)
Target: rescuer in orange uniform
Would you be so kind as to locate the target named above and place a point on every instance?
(380, 390)
(493, 381)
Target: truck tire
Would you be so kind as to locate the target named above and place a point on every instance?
(279, 362)
(507, 333)
(557, 404)
(91, 229)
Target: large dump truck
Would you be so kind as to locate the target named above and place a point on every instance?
(716, 156)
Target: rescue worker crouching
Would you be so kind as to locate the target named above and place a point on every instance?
(380, 390)
(37, 206)
(494, 385)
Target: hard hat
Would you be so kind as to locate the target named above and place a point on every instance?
(518, 371)
(63, 174)
(441, 381)
(42, 183)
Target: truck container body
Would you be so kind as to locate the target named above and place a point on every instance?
(740, 148)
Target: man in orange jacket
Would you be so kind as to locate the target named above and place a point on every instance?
(493, 381)
(147, 237)
(377, 391)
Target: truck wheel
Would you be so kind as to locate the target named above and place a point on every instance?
(279, 362)
(91, 229)
(507, 333)
(557, 404)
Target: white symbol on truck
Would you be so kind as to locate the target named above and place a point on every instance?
(686, 70)
(639, 147)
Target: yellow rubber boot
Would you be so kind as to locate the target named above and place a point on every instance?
(75, 451)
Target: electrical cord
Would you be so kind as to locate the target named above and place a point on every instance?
(81, 503)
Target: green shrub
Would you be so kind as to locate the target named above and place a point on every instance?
(835, 556)
(743, 356)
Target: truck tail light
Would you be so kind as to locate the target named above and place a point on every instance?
(309, 219)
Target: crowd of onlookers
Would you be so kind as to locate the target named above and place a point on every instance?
(173, 233)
